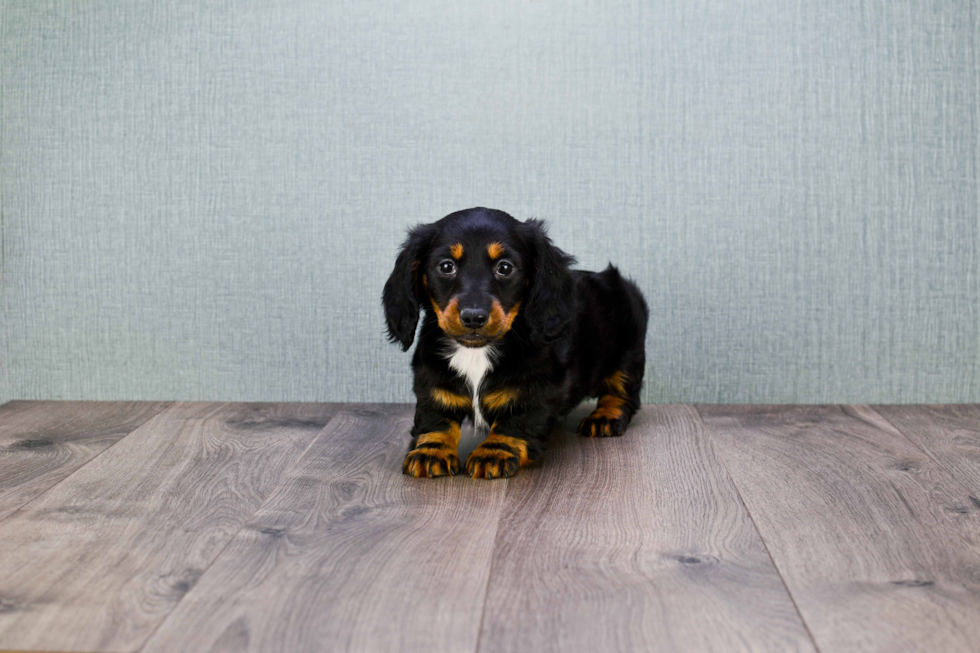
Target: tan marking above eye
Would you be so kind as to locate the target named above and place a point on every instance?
(456, 251)
(495, 250)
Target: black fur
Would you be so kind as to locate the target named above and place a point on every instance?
(551, 301)
(574, 334)
(402, 291)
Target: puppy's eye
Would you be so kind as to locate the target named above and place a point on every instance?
(447, 267)
(504, 269)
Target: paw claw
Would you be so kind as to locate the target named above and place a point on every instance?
(492, 463)
(430, 463)
(602, 427)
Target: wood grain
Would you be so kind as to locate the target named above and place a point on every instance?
(97, 562)
(43, 442)
(637, 543)
(349, 554)
(950, 434)
(237, 527)
(868, 532)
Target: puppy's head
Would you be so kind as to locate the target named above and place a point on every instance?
(477, 270)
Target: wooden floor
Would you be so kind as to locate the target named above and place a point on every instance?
(290, 527)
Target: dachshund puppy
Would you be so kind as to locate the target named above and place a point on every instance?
(511, 338)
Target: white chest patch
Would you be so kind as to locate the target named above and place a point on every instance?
(473, 364)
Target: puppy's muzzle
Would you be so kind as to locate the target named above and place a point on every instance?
(473, 318)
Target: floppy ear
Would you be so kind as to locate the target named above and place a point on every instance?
(550, 303)
(403, 292)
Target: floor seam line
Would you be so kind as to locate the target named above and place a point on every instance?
(939, 464)
(245, 523)
(493, 557)
(755, 526)
(85, 464)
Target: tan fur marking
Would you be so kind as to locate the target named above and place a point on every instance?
(495, 250)
(615, 384)
(500, 321)
(613, 404)
(499, 398)
(519, 446)
(451, 399)
(457, 251)
(497, 325)
(609, 407)
(449, 437)
(449, 318)
(429, 462)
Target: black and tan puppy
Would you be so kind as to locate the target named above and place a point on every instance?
(511, 338)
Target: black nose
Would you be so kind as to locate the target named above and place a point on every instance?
(473, 318)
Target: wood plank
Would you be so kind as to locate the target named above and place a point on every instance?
(950, 434)
(349, 554)
(637, 543)
(865, 529)
(97, 562)
(43, 442)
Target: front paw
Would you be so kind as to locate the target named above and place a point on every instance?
(490, 463)
(598, 425)
(430, 463)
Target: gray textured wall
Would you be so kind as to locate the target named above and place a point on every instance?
(203, 199)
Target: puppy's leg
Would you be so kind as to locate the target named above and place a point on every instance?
(436, 453)
(619, 398)
(435, 450)
(499, 456)
(514, 441)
